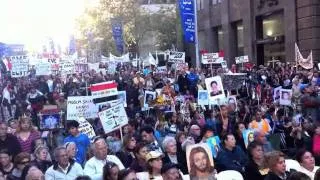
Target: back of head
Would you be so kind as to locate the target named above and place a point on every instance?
(298, 176)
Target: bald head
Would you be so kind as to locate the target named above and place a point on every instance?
(34, 174)
(100, 149)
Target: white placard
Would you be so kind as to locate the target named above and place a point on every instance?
(20, 66)
(113, 118)
(177, 57)
(242, 59)
(224, 65)
(149, 96)
(162, 69)
(67, 68)
(122, 97)
(86, 128)
(209, 58)
(203, 97)
(276, 93)
(215, 89)
(81, 106)
(43, 69)
(285, 97)
(54, 62)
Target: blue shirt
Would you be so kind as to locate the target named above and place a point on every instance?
(83, 142)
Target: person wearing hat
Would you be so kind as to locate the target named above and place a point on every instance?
(154, 165)
(82, 141)
(170, 171)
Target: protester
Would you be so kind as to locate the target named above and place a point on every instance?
(6, 166)
(20, 162)
(110, 171)
(140, 153)
(127, 174)
(277, 168)
(41, 153)
(170, 171)
(26, 134)
(307, 163)
(8, 141)
(63, 168)
(126, 155)
(255, 169)
(71, 150)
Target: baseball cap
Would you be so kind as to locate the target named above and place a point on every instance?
(153, 155)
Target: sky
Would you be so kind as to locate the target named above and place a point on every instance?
(30, 22)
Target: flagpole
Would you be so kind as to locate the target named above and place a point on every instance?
(196, 33)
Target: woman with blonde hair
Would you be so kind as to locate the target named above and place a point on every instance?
(26, 134)
(41, 158)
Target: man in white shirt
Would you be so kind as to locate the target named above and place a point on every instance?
(64, 168)
(307, 163)
(94, 167)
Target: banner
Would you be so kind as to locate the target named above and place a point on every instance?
(177, 57)
(305, 63)
(104, 89)
(123, 58)
(162, 69)
(113, 118)
(117, 33)
(67, 68)
(80, 106)
(187, 19)
(242, 59)
(20, 66)
(54, 63)
(43, 69)
(86, 128)
(210, 58)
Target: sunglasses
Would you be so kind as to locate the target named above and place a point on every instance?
(24, 162)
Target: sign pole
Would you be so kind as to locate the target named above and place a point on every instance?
(196, 33)
(211, 69)
(121, 135)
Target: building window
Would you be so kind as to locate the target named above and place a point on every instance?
(273, 26)
(202, 39)
(200, 4)
(214, 2)
(240, 45)
(220, 38)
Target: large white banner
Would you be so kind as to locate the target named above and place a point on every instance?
(43, 69)
(177, 57)
(209, 58)
(67, 67)
(123, 58)
(54, 62)
(81, 106)
(113, 118)
(20, 66)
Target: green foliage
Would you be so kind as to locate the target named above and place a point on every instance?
(136, 24)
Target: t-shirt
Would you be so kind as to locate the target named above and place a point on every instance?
(83, 142)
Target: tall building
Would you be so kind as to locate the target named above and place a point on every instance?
(262, 29)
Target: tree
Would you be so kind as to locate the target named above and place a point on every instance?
(137, 22)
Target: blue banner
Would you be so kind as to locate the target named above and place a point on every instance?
(117, 32)
(188, 19)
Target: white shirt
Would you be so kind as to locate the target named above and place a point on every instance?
(94, 167)
(307, 172)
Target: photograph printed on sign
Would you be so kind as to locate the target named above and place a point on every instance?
(215, 88)
(232, 102)
(200, 161)
(149, 96)
(122, 97)
(50, 121)
(248, 136)
(276, 93)
(203, 97)
(285, 97)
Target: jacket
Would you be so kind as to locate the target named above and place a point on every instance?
(272, 176)
(55, 172)
(252, 171)
(231, 160)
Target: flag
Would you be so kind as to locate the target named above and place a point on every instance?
(104, 89)
(7, 62)
(187, 13)
(305, 63)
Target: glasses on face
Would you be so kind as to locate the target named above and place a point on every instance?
(24, 162)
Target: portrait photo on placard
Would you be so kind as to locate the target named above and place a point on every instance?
(285, 97)
(232, 102)
(122, 97)
(50, 121)
(215, 88)
(203, 97)
(200, 162)
(248, 136)
(276, 93)
(149, 96)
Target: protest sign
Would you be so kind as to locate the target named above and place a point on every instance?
(122, 97)
(181, 66)
(248, 136)
(104, 89)
(224, 65)
(215, 88)
(193, 150)
(86, 128)
(209, 58)
(285, 97)
(233, 81)
(214, 145)
(276, 93)
(242, 59)
(20, 66)
(149, 96)
(67, 68)
(43, 69)
(54, 63)
(177, 57)
(162, 69)
(50, 117)
(113, 118)
(203, 98)
(106, 105)
(80, 106)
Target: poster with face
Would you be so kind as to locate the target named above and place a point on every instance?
(122, 97)
(215, 88)
(200, 161)
(203, 98)
(248, 136)
(276, 93)
(285, 97)
(232, 102)
(214, 144)
(149, 96)
(50, 121)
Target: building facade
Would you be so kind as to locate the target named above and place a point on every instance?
(262, 29)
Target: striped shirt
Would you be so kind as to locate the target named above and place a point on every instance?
(26, 145)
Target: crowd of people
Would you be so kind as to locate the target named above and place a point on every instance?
(154, 143)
